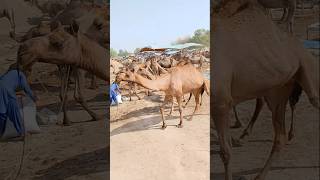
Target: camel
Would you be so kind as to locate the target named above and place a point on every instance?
(293, 100)
(265, 62)
(289, 7)
(50, 7)
(66, 47)
(6, 12)
(173, 84)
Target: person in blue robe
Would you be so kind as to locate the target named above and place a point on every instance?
(114, 91)
(9, 108)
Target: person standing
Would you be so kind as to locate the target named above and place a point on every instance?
(10, 82)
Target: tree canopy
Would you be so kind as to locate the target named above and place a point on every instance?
(200, 36)
(113, 53)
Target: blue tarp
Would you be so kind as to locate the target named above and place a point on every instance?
(309, 44)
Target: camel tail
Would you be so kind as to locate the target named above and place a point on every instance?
(308, 78)
(206, 86)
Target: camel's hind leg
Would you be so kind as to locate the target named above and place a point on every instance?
(277, 101)
(197, 99)
(258, 108)
(188, 100)
(78, 95)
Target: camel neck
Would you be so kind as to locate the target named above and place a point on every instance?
(160, 84)
(94, 58)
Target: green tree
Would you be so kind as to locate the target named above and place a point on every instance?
(113, 53)
(137, 50)
(123, 53)
(200, 36)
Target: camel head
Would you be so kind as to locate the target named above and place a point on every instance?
(98, 31)
(60, 46)
(126, 74)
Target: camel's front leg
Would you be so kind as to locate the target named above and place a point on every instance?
(166, 100)
(220, 116)
(78, 95)
(64, 77)
(135, 90)
(179, 100)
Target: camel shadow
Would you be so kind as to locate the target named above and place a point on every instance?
(88, 163)
(220, 176)
(143, 124)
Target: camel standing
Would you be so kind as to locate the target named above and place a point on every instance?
(265, 62)
(66, 48)
(174, 84)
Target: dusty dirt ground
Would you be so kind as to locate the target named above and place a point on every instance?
(140, 149)
(299, 160)
(74, 152)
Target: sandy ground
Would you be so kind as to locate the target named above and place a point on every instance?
(75, 152)
(140, 149)
(299, 160)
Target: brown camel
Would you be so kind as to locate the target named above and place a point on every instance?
(66, 47)
(293, 100)
(265, 62)
(6, 12)
(174, 84)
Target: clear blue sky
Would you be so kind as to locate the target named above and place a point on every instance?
(139, 23)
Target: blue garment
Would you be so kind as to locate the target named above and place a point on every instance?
(9, 107)
(113, 92)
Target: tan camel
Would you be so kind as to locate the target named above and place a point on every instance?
(6, 12)
(66, 48)
(265, 62)
(173, 84)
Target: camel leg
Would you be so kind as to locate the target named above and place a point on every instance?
(179, 100)
(78, 95)
(64, 94)
(166, 100)
(220, 113)
(196, 96)
(284, 15)
(135, 91)
(238, 122)
(278, 119)
(188, 100)
(291, 134)
(248, 129)
(172, 107)
(93, 84)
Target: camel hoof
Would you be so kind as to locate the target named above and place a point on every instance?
(179, 126)
(164, 126)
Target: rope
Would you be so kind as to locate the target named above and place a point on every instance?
(24, 143)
